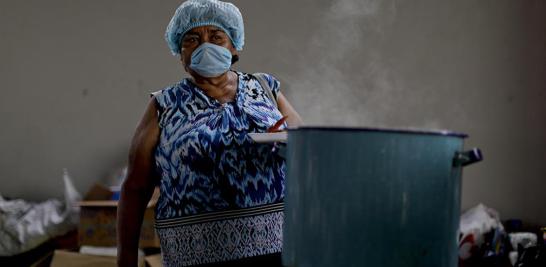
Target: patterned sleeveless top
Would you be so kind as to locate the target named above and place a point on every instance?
(221, 193)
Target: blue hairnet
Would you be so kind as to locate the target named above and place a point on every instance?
(196, 13)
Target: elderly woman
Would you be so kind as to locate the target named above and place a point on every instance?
(221, 194)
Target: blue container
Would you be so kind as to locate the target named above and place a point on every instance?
(373, 197)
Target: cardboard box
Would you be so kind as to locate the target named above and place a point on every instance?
(63, 258)
(153, 260)
(98, 222)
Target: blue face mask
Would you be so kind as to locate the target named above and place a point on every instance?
(210, 60)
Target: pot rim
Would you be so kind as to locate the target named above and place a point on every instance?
(381, 129)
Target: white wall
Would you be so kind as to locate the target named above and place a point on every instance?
(75, 76)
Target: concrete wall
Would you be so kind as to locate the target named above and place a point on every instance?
(75, 76)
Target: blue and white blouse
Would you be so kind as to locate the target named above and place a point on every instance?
(221, 193)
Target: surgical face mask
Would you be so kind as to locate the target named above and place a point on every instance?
(210, 60)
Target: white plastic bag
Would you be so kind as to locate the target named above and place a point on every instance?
(24, 225)
(474, 224)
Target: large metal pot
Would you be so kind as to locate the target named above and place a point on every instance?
(373, 197)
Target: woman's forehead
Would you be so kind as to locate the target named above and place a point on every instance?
(204, 29)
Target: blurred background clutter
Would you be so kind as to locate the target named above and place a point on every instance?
(76, 76)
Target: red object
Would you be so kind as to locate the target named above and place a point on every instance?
(465, 247)
(277, 125)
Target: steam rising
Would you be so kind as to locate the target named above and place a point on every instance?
(344, 78)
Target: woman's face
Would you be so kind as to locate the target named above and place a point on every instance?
(196, 36)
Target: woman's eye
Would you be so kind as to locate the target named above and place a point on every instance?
(190, 40)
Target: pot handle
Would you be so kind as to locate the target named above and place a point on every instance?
(467, 157)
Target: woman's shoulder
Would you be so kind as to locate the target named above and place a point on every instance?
(258, 78)
(169, 94)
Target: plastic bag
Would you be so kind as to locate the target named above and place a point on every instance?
(25, 225)
(481, 233)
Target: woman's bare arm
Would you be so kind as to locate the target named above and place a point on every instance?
(293, 118)
(138, 187)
